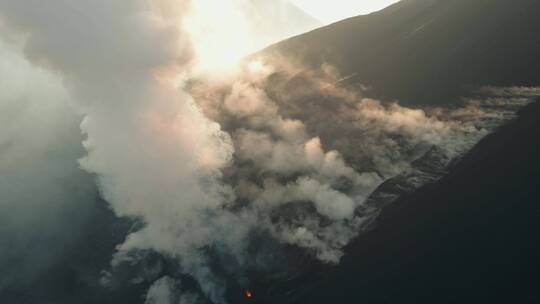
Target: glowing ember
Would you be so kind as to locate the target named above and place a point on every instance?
(248, 294)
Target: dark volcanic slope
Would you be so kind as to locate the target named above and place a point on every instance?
(429, 51)
(473, 237)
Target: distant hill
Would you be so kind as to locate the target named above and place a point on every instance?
(429, 51)
(279, 19)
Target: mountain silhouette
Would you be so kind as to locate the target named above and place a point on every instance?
(428, 51)
(473, 236)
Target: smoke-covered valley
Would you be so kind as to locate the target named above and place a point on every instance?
(217, 174)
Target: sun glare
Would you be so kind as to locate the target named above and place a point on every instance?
(220, 34)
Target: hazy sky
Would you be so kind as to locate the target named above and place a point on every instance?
(333, 10)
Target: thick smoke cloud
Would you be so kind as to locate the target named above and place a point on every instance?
(46, 202)
(211, 165)
(302, 137)
(156, 157)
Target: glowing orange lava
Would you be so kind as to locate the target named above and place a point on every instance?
(248, 294)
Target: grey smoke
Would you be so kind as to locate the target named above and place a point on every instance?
(46, 202)
(149, 165)
(302, 137)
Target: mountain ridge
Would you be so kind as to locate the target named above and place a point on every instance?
(427, 51)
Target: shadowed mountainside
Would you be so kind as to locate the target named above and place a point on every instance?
(471, 237)
(428, 51)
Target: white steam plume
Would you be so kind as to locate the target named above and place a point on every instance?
(156, 156)
(279, 132)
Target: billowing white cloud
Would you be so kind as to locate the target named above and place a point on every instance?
(281, 134)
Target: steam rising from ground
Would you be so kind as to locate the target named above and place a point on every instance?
(300, 138)
(277, 154)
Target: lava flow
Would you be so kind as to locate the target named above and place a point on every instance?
(248, 294)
